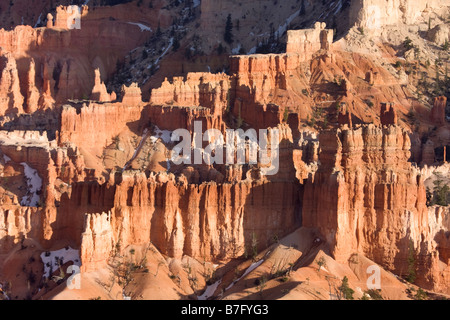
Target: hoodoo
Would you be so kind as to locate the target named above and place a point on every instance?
(214, 150)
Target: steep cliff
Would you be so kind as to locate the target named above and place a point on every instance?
(374, 14)
(376, 202)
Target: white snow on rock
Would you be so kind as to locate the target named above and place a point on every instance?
(252, 51)
(196, 3)
(236, 50)
(38, 21)
(143, 27)
(34, 183)
(209, 290)
(53, 259)
(249, 269)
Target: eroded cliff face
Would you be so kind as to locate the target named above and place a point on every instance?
(375, 202)
(208, 221)
(108, 184)
(374, 14)
(98, 130)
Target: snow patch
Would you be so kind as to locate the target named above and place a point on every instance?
(196, 3)
(236, 50)
(38, 21)
(249, 269)
(209, 292)
(34, 182)
(143, 27)
(165, 51)
(53, 259)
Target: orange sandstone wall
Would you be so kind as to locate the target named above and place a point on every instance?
(96, 124)
(366, 197)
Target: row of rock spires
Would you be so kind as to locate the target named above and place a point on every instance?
(59, 82)
(365, 197)
(13, 102)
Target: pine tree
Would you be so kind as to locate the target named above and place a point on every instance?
(176, 44)
(228, 35)
(302, 8)
(158, 31)
(286, 115)
(411, 259)
(346, 291)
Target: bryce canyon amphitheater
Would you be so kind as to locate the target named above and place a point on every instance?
(353, 94)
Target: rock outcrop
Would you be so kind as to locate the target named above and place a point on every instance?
(373, 14)
(375, 201)
(308, 41)
(33, 95)
(197, 90)
(106, 121)
(438, 111)
(66, 16)
(388, 115)
(132, 95)
(99, 92)
(108, 184)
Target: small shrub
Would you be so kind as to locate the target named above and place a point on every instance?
(421, 295)
(374, 294)
(321, 263)
(408, 44)
(398, 65)
(286, 115)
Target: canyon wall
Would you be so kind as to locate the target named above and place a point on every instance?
(373, 14)
(305, 42)
(366, 197)
(18, 223)
(197, 90)
(96, 124)
(64, 59)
